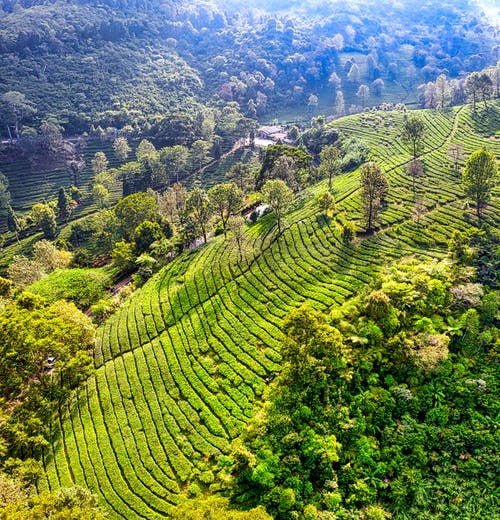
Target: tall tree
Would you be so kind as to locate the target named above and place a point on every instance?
(175, 159)
(363, 93)
(443, 91)
(473, 88)
(278, 196)
(199, 154)
(242, 175)
(456, 154)
(13, 223)
(14, 108)
(121, 148)
(331, 163)
(44, 217)
(353, 74)
(99, 163)
(415, 170)
(412, 134)
(63, 204)
(479, 177)
(339, 104)
(225, 200)
(198, 210)
(4, 193)
(374, 187)
(134, 209)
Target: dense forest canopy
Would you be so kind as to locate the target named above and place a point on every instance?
(130, 63)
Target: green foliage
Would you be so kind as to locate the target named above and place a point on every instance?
(184, 359)
(63, 204)
(326, 202)
(278, 196)
(133, 210)
(75, 503)
(374, 185)
(44, 217)
(215, 508)
(479, 178)
(330, 163)
(83, 287)
(124, 256)
(412, 134)
(145, 234)
(273, 154)
(226, 200)
(364, 414)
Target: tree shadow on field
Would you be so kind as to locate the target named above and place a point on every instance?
(323, 221)
(486, 120)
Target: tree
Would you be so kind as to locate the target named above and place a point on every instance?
(99, 163)
(134, 209)
(175, 158)
(412, 134)
(312, 103)
(121, 148)
(74, 168)
(374, 188)
(419, 210)
(144, 149)
(353, 74)
(331, 163)
(243, 176)
(63, 204)
(100, 195)
(339, 104)
(334, 80)
(456, 154)
(13, 223)
(278, 196)
(272, 155)
(44, 217)
(47, 255)
(237, 227)
(415, 170)
(473, 88)
(4, 193)
(485, 87)
(363, 93)
(145, 234)
(326, 202)
(123, 256)
(285, 168)
(49, 137)
(443, 91)
(198, 210)
(173, 202)
(225, 200)
(14, 108)
(479, 178)
(378, 87)
(199, 154)
(76, 503)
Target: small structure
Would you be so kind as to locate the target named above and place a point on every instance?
(273, 133)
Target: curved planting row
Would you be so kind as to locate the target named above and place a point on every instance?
(184, 361)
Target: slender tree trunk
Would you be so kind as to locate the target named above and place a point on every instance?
(370, 215)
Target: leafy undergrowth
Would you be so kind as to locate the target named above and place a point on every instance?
(182, 364)
(83, 287)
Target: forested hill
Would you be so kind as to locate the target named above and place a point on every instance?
(82, 64)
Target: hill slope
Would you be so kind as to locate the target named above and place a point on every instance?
(182, 364)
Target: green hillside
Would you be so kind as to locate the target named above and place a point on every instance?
(183, 363)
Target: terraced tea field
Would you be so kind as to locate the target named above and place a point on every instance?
(183, 363)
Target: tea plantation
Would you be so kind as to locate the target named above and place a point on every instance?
(181, 367)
